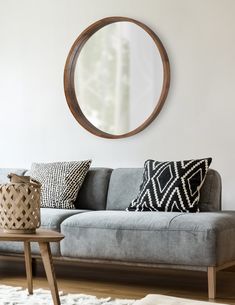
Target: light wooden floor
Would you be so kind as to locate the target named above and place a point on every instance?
(133, 284)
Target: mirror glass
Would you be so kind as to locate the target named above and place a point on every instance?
(118, 77)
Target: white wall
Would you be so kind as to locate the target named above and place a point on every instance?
(196, 121)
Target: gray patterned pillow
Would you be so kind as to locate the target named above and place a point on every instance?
(60, 181)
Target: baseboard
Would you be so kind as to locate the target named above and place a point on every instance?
(230, 269)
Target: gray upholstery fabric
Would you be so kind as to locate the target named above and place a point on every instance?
(50, 219)
(198, 239)
(210, 199)
(93, 193)
(5, 171)
(125, 182)
(123, 187)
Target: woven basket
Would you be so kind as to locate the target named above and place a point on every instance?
(20, 205)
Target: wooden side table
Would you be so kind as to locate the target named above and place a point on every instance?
(43, 238)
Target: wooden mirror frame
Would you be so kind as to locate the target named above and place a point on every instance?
(69, 71)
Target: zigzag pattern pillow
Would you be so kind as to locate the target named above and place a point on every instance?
(171, 186)
(60, 181)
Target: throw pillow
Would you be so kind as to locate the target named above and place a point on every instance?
(171, 186)
(60, 182)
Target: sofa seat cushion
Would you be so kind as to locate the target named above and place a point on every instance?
(51, 219)
(198, 239)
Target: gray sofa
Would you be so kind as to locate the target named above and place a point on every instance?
(100, 230)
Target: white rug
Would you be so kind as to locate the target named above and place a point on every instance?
(18, 296)
(157, 299)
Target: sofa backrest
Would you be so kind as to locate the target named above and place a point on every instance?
(123, 187)
(93, 193)
(105, 188)
(91, 196)
(125, 182)
(210, 195)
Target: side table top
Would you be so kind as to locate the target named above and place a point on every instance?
(40, 235)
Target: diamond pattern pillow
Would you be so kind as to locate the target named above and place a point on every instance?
(171, 186)
(60, 181)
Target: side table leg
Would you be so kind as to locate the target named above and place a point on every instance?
(28, 266)
(49, 269)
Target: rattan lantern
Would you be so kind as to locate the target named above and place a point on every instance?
(20, 205)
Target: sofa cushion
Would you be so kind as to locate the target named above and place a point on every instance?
(197, 239)
(60, 182)
(124, 186)
(210, 199)
(93, 193)
(5, 171)
(171, 186)
(50, 219)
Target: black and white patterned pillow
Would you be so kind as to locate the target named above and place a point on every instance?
(171, 186)
(60, 181)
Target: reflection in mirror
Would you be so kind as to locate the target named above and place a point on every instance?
(118, 77)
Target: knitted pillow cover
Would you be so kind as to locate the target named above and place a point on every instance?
(60, 181)
(171, 186)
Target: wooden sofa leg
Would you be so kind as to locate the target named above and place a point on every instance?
(211, 273)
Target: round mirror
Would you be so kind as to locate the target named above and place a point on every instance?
(116, 77)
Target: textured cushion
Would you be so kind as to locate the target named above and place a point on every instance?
(60, 181)
(51, 219)
(5, 171)
(171, 186)
(193, 239)
(93, 193)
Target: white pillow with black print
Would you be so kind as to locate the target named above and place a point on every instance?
(60, 182)
(171, 186)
